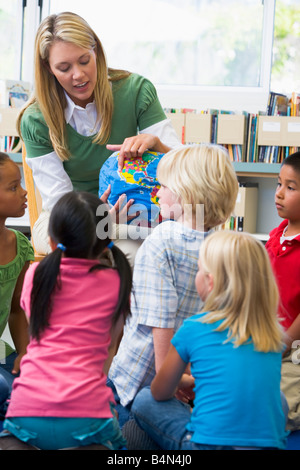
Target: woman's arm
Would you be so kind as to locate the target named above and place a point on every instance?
(50, 178)
(168, 377)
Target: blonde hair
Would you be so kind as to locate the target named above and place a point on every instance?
(201, 174)
(49, 94)
(244, 293)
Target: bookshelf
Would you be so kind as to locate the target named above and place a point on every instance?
(265, 176)
(257, 144)
(231, 130)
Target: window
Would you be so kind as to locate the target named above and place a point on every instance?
(10, 39)
(195, 42)
(186, 48)
(286, 52)
(198, 53)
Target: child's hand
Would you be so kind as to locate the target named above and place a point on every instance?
(185, 391)
(16, 367)
(119, 213)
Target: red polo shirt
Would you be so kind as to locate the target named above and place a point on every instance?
(285, 259)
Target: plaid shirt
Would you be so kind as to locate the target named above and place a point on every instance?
(164, 294)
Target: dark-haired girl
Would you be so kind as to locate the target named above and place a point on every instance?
(16, 252)
(76, 302)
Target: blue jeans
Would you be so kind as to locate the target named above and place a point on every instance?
(4, 390)
(7, 367)
(165, 422)
(124, 412)
(6, 382)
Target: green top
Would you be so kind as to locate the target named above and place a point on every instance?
(136, 107)
(9, 274)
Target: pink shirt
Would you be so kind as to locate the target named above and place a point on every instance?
(62, 375)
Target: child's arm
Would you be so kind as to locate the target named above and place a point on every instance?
(169, 376)
(292, 334)
(18, 324)
(161, 342)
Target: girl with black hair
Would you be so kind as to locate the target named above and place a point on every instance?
(77, 301)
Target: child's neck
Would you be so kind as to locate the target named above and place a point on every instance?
(3, 228)
(8, 249)
(293, 228)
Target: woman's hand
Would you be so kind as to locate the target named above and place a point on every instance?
(134, 147)
(119, 212)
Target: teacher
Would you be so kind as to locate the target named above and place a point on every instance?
(80, 112)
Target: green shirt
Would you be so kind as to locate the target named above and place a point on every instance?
(9, 274)
(136, 107)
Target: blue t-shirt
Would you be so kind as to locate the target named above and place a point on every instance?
(237, 389)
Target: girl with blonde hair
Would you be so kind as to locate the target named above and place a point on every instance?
(80, 111)
(234, 348)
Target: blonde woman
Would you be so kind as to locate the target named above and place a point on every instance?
(234, 347)
(192, 179)
(81, 111)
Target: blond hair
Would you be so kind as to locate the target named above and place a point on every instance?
(201, 174)
(49, 94)
(244, 293)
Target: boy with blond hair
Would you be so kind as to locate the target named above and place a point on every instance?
(164, 294)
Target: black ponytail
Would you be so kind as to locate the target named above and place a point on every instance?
(46, 278)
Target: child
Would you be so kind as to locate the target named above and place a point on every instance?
(234, 348)
(166, 263)
(76, 304)
(16, 252)
(284, 250)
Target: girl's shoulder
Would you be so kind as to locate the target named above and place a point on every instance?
(24, 247)
(24, 254)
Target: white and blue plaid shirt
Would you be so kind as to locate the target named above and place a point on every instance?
(164, 294)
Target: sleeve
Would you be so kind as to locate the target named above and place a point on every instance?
(48, 171)
(148, 108)
(154, 298)
(50, 178)
(165, 132)
(35, 133)
(180, 343)
(26, 248)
